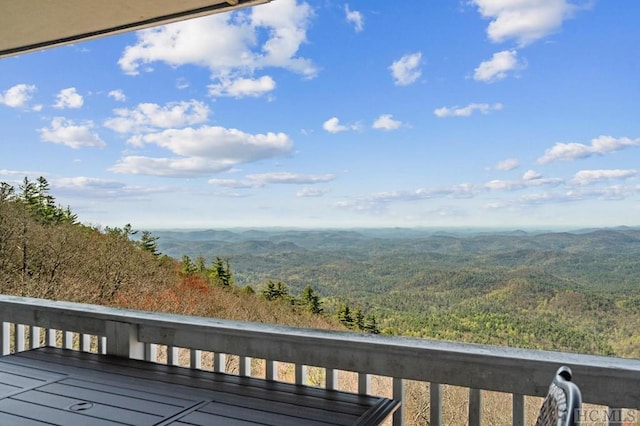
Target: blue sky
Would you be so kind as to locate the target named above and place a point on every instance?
(493, 113)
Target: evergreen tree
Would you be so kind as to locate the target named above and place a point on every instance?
(371, 324)
(275, 290)
(149, 243)
(221, 273)
(344, 315)
(311, 300)
(359, 319)
(7, 192)
(188, 267)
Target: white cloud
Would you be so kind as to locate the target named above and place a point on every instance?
(523, 20)
(505, 185)
(531, 175)
(311, 192)
(66, 132)
(386, 122)
(505, 165)
(17, 96)
(242, 87)
(182, 83)
(261, 180)
(231, 45)
(573, 151)
(588, 177)
(333, 125)
(290, 178)
(498, 67)
(406, 70)
(354, 17)
(203, 151)
(379, 201)
(117, 95)
(90, 187)
(149, 116)
(467, 110)
(68, 98)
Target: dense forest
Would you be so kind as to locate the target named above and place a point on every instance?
(570, 291)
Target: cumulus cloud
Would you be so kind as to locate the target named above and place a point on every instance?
(406, 70)
(523, 20)
(117, 95)
(231, 45)
(242, 87)
(467, 110)
(203, 151)
(17, 96)
(531, 175)
(66, 132)
(573, 151)
(68, 98)
(386, 122)
(333, 125)
(505, 165)
(588, 177)
(498, 67)
(263, 179)
(354, 17)
(149, 116)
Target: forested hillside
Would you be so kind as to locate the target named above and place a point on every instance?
(45, 252)
(575, 291)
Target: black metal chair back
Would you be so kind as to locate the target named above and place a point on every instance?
(562, 405)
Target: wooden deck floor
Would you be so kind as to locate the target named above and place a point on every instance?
(63, 387)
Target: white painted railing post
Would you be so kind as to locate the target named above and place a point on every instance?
(18, 337)
(364, 383)
(122, 340)
(301, 374)
(5, 338)
(34, 337)
(331, 379)
(271, 370)
(245, 366)
(219, 362)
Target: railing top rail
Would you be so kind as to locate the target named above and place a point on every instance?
(603, 380)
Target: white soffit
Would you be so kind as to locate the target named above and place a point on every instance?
(27, 25)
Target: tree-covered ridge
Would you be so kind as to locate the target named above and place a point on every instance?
(46, 253)
(562, 291)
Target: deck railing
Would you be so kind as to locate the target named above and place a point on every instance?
(612, 382)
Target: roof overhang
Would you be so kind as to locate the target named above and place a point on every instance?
(27, 25)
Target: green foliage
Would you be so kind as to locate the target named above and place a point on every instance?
(311, 301)
(187, 266)
(248, 290)
(571, 291)
(221, 273)
(149, 243)
(275, 291)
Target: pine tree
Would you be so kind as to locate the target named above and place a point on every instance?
(149, 243)
(311, 300)
(220, 272)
